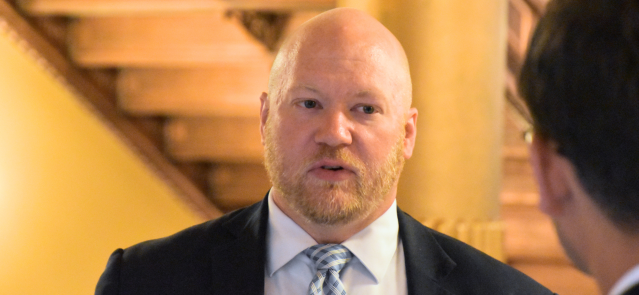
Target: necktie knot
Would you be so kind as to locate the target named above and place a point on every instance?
(329, 260)
(329, 256)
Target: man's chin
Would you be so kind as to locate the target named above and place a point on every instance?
(331, 207)
(330, 217)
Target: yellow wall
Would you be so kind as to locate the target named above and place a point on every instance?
(70, 192)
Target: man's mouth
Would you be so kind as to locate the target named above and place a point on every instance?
(332, 168)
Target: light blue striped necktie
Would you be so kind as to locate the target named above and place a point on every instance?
(329, 260)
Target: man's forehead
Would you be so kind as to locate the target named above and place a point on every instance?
(349, 35)
(338, 66)
(371, 76)
(344, 42)
(361, 47)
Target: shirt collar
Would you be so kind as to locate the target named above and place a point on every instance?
(627, 281)
(286, 240)
(383, 234)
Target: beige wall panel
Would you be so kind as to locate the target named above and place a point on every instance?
(70, 191)
(216, 139)
(109, 7)
(151, 41)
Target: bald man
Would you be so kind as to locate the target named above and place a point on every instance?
(337, 125)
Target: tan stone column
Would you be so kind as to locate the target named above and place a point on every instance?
(457, 55)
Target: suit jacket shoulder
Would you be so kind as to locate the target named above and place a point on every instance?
(443, 265)
(191, 261)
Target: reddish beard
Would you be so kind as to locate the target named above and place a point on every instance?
(332, 202)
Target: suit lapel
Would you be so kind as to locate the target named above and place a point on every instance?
(244, 254)
(426, 262)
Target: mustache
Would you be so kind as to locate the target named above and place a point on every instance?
(339, 154)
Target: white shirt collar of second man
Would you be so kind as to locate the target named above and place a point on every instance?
(627, 281)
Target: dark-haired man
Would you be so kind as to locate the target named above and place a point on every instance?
(581, 84)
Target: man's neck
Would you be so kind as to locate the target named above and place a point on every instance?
(616, 254)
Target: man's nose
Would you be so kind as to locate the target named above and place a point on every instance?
(334, 130)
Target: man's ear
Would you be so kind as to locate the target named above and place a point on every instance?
(553, 174)
(264, 108)
(410, 128)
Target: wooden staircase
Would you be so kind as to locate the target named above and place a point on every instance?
(179, 81)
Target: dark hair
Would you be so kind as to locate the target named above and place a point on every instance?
(580, 81)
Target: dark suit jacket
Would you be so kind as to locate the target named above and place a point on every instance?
(227, 256)
(633, 291)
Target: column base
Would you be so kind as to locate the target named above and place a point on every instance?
(487, 236)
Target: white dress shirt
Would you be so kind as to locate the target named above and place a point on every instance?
(627, 281)
(377, 266)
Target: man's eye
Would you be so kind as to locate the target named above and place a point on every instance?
(309, 104)
(368, 109)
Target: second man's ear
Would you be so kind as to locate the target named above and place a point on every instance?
(553, 174)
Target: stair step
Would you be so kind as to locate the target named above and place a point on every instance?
(215, 139)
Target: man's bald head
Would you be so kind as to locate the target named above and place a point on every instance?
(343, 33)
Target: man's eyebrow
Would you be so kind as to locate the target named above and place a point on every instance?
(368, 93)
(304, 87)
